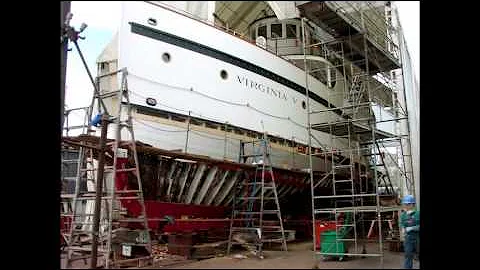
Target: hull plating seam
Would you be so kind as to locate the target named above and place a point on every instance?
(208, 51)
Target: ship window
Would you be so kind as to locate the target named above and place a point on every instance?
(224, 74)
(291, 31)
(104, 66)
(276, 30)
(304, 104)
(166, 57)
(262, 31)
(152, 21)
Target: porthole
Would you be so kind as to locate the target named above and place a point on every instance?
(166, 57)
(152, 21)
(151, 101)
(223, 74)
(304, 105)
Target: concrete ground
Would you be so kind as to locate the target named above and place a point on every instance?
(299, 256)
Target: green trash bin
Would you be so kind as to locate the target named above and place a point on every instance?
(331, 243)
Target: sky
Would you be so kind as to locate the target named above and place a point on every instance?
(103, 17)
(409, 12)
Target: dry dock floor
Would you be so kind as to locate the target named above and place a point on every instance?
(299, 256)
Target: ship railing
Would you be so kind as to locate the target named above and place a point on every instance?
(202, 20)
(233, 32)
(242, 36)
(275, 49)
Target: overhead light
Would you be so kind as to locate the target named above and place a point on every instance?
(82, 27)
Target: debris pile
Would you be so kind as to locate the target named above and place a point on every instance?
(159, 252)
(161, 257)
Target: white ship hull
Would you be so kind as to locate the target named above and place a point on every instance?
(192, 68)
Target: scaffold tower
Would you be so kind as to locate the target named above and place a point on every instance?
(360, 192)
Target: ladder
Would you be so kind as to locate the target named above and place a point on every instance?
(72, 174)
(344, 197)
(255, 219)
(122, 237)
(70, 166)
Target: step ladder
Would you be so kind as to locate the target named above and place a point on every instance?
(256, 218)
(123, 236)
(70, 167)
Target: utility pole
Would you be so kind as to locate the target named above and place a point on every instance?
(64, 21)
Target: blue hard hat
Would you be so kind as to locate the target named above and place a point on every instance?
(409, 199)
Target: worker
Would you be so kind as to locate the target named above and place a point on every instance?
(410, 224)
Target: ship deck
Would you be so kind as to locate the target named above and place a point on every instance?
(346, 127)
(340, 23)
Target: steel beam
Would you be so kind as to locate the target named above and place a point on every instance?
(183, 180)
(281, 190)
(206, 185)
(196, 180)
(217, 188)
(287, 191)
(227, 188)
(169, 177)
(162, 167)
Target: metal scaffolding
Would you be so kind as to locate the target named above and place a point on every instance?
(107, 216)
(365, 61)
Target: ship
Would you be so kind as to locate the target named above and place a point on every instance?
(203, 76)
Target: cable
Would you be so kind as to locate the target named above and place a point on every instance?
(202, 116)
(212, 98)
(157, 128)
(199, 133)
(136, 94)
(206, 136)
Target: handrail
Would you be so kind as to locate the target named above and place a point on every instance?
(218, 27)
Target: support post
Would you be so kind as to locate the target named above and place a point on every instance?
(64, 10)
(225, 143)
(188, 131)
(99, 191)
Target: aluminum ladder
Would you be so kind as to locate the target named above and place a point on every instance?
(255, 219)
(123, 235)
